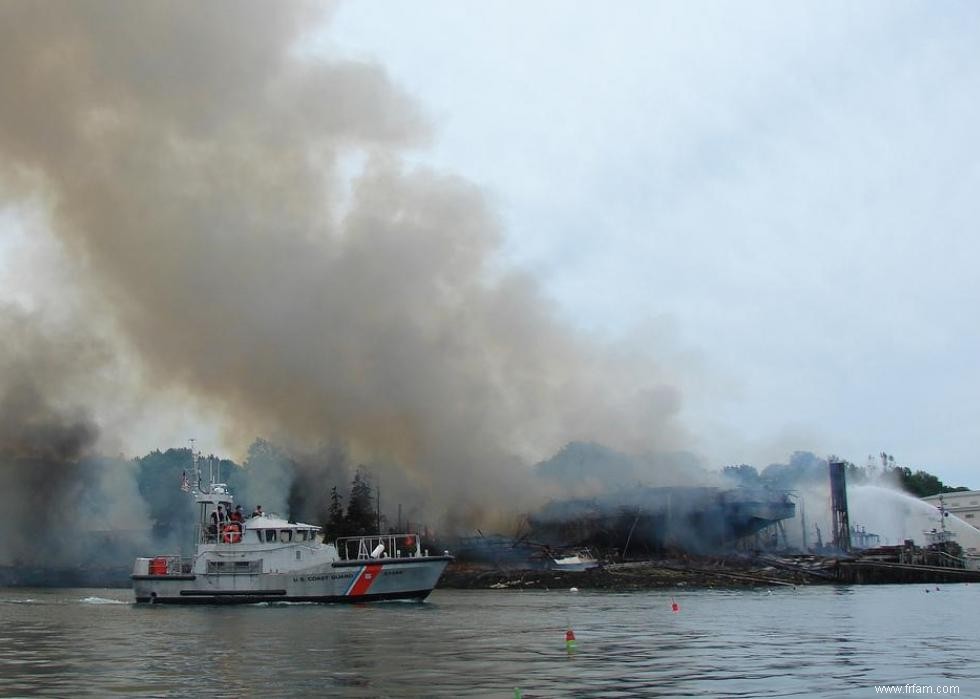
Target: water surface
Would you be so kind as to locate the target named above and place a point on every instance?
(817, 641)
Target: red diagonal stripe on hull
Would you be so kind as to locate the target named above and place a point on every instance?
(365, 579)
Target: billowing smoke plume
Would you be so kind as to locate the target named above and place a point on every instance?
(243, 213)
(61, 504)
(41, 442)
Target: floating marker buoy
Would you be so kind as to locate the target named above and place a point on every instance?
(573, 589)
(674, 607)
(517, 693)
(570, 639)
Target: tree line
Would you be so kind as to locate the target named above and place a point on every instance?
(160, 474)
(806, 467)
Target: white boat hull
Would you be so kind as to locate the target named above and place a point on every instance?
(339, 581)
(266, 558)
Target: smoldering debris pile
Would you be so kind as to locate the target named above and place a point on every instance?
(646, 575)
(646, 521)
(635, 523)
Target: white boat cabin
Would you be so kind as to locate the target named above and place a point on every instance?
(218, 525)
(216, 531)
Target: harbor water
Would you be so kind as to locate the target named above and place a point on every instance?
(821, 641)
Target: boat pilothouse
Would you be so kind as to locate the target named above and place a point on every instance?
(265, 558)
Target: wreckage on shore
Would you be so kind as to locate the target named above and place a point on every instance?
(645, 521)
(640, 522)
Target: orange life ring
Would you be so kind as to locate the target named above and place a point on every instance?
(232, 533)
(410, 541)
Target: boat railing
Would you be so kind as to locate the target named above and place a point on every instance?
(352, 548)
(224, 533)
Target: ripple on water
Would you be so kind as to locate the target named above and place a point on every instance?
(816, 642)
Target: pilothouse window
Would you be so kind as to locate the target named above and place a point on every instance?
(270, 536)
(285, 535)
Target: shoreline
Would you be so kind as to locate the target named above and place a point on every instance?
(626, 577)
(737, 572)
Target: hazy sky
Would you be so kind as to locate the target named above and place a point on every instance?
(775, 201)
(780, 196)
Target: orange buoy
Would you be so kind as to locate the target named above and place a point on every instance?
(570, 639)
(674, 607)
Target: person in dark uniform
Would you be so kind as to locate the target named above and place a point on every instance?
(217, 520)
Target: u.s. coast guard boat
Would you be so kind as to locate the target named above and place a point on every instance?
(265, 558)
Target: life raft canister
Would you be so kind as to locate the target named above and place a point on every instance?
(232, 533)
(158, 566)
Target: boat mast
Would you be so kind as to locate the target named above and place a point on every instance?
(195, 467)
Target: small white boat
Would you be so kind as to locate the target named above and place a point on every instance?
(582, 560)
(267, 558)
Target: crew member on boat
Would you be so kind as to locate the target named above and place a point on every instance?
(217, 522)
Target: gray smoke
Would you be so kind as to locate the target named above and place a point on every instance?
(58, 496)
(203, 173)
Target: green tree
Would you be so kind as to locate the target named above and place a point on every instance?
(921, 483)
(171, 510)
(743, 474)
(803, 467)
(336, 524)
(361, 517)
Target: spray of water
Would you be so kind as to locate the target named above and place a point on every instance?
(898, 516)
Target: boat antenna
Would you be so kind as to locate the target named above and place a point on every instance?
(196, 463)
